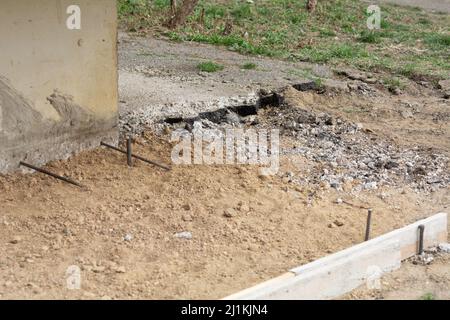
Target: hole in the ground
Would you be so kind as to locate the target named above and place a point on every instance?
(245, 110)
(273, 100)
(223, 115)
(173, 120)
(216, 116)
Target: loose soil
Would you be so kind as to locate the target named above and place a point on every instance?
(120, 230)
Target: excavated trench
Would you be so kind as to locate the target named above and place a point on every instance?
(231, 114)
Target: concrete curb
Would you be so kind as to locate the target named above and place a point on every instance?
(334, 275)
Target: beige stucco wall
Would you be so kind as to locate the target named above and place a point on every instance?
(39, 56)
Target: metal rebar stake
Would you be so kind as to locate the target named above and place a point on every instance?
(129, 152)
(136, 156)
(421, 233)
(54, 175)
(369, 220)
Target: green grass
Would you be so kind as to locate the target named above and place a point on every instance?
(411, 42)
(209, 66)
(368, 36)
(436, 40)
(393, 83)
(249, 66)
(428, 296)
(333, 52)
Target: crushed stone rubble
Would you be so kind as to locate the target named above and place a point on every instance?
(343, 152)
(348, 152)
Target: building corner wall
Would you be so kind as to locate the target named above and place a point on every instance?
(58, 86)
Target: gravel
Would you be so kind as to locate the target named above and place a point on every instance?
(344, 152)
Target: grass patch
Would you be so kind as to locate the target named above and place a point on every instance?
(249, 66)
(333, 52)
(336, 33)
(428, 296)
(393, 83)
(436, 40)
(367, 36)
(209, 66)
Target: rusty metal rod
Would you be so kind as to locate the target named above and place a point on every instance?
(421, 233)
(369, 219)
(51, 174)
(136, 156)
(129, 152)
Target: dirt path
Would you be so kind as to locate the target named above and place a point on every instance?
(160, 79)
(432, 5)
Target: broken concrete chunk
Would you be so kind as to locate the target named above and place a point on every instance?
(183, 235)
(444, 247)
(128, 237)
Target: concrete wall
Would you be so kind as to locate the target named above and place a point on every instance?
(58, 87)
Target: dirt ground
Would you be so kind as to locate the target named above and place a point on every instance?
(246, 228)
(120, 231)
(56, 226)
(412, 282)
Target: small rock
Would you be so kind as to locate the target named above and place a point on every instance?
(232, 118)
(370, 185)
(391, 164)
(98, 269)
(184, 235)
(432, 250)
(243, 207)
(444, 247)
(120, 269)
(335, 184)
(339, 201)
(445, 85)
(406, 114)
(128, 237)
(424, 259)
(370, 80)
(434, 180)
(89, 295)
(186, 217)
(229, 213)
(16, 240)
(353, 86)
(338, 223)
(396, 91)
